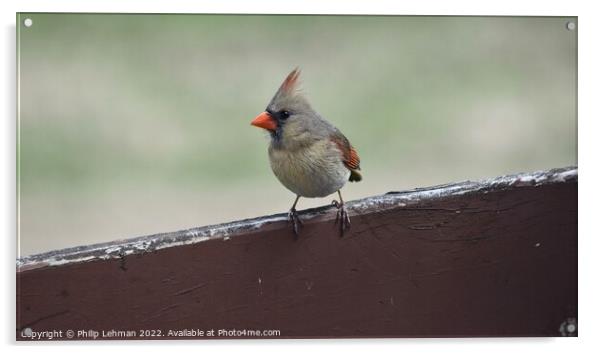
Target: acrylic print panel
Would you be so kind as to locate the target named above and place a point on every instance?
(138, 124)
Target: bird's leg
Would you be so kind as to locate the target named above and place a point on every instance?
(342, 218)
(293, 217)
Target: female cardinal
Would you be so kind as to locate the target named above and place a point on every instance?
(309, 155)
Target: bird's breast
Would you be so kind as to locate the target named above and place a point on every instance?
(312, 171)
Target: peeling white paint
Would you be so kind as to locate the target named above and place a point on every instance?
(565, 176)
(192, 233)
(115, 249)
(57, 262)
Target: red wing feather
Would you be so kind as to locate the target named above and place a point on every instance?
(350, 157)
(353, 161)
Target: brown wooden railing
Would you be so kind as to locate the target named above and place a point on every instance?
(490, 258)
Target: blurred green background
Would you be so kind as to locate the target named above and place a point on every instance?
(139, 124)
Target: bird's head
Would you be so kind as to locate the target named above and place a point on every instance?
(289, 117)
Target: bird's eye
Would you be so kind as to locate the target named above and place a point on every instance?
(285, 114)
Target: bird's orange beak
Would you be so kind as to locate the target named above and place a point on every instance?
(265, 121)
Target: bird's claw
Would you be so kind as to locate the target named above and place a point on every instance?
(294, 219)
(342, 219)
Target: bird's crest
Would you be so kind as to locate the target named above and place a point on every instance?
(289, 85)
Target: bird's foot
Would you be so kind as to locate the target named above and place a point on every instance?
(293, 218)
(342, 219)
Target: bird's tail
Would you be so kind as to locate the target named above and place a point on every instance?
(355, 176)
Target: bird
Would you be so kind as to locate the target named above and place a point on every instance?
(307, 153)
